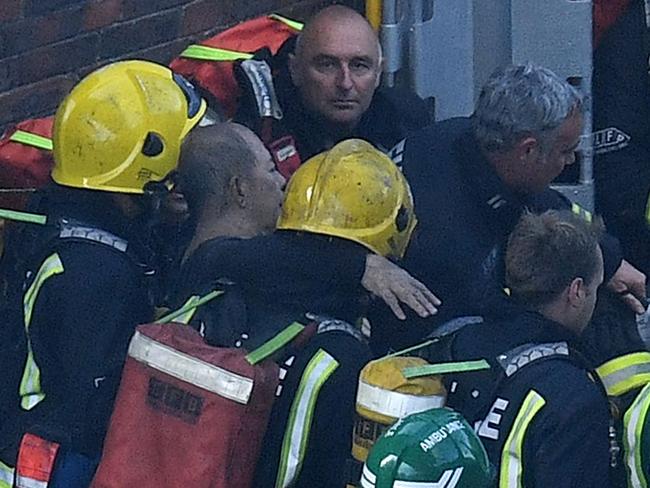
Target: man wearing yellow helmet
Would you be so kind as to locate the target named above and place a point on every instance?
(339, 206)
(88, 272)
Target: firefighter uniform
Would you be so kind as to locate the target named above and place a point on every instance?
(85, 287)
(621, 94)
(539, 410)
(392, 114)
(465, 215)
(308, 266)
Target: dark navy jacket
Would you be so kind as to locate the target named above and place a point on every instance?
(562, 431)
(465, 214)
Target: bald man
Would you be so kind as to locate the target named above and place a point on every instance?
(326, 81)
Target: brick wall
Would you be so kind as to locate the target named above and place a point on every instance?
(46, 45)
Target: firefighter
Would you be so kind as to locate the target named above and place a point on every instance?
(621, 104)
(540, 410)
(339, 206)
(327, 90)
(486, 170)
(87, 272)
(432, 448)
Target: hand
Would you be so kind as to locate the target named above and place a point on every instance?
(629, 283)
(394, 286)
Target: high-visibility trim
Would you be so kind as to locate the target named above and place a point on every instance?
(318, 370)
(511, 472)
(30, 218)
(395, 404)
(189, 369)
(184, 314)
(634, 422)
(647, 211)
(6, 476)
(276, 343)
(581, 212)
(294, 24)
(443, 368)
(368, 478)
(30, 384)
(25, 482)
(449, 479)
(31, 139)
(625, 373)
(208, 53)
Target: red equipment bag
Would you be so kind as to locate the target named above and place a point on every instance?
(186, 414)
(25, 160)
(210, 64)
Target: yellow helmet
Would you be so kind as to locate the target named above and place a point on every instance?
(355, 192)
(122, 126)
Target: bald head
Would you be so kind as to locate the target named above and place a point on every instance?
(210, 157)
(336, 66)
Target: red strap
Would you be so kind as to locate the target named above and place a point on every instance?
(35, 459)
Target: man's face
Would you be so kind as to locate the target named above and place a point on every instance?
(546, 164)
(267, 186)
(336, 70)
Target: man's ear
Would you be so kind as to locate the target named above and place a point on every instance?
(238, 189)
(294, 70)
(576, 292)
(527, 149)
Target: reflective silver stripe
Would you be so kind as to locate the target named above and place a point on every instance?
(192, 370)
(512, 455)
(633, 424)
(368, 478)
(294, 444)
(6, 476)
(395, 404)
(625, 373)
(30, 384)
(25, 482)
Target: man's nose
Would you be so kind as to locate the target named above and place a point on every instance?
(344, 80)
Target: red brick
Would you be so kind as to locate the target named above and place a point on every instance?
(46, 62)
(10, 10)
(139, 34)
(100, 13)
(40, 7)
(139, 8)
(32, 32)
(39, 98)
(206, 15)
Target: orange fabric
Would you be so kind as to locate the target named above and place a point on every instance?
(217, 77)
(36, 458)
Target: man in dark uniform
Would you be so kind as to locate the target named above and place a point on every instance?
(540, 411)
(473, 177)
(87, 273)
(327, 91)
(337, 210)
(621, 102)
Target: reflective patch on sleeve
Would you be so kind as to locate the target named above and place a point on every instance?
(625, 373)
(512, 468)
(30, 384)
(318, 370)
(635, 443)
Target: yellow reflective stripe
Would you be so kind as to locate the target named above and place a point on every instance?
(184, 314)
(625, 373)
(647, 211)
(30, 385)
(6, 476)
(511, 471)
(294, 24)
(31, 139)
(207, 53)
(581, 212)
(633, 423)
(294, 444)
